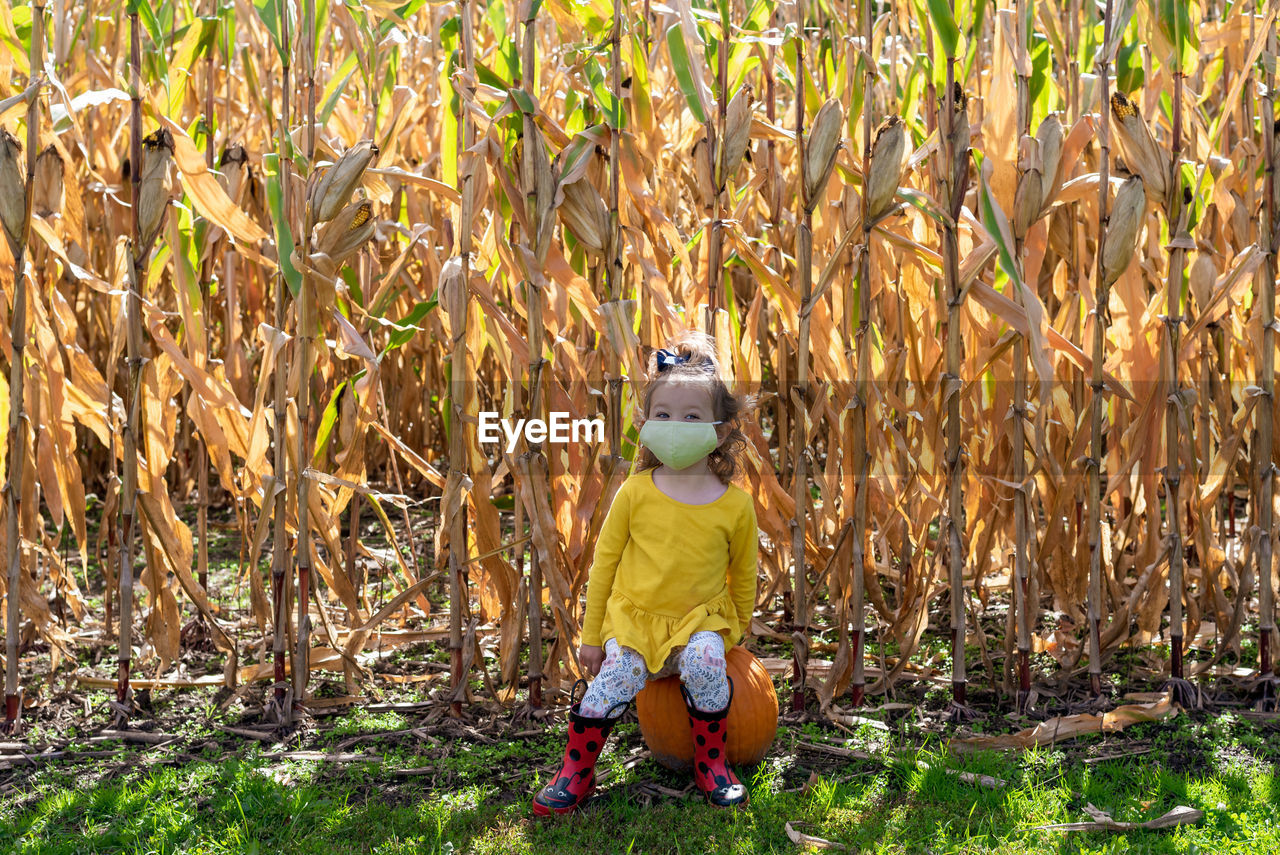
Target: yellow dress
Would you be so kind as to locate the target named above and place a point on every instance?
(664, 569)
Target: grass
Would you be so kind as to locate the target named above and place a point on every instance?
(476, 798)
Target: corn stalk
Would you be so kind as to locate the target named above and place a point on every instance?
(954, 177)
(306, 325)
(536, 405)
(1021, 546)
(613, 251)
(1101, 319)
(799, 395)
(457, 304)
(129, 499)
(18, 197)
(149, 161)
(862, 398)
(1177, 218)
(206, 277)
(1266, 469)
(280, 708)
(717, 168)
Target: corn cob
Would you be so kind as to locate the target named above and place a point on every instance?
(1122, 231)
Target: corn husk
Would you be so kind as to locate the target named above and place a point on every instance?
(13, 196)
(1029, 196)
(886, 166)
(1026, 202)
(475, 187)
(1142, 155)
(333, 191)
(47, 183)
(821, 148)
(1218, 166)
(155, 190)
(1122, 231)
(1201, 278)
(1050, 137)
(451, 291)
(344, 234)
(702, 171)
(1060, 225)
(584, 213)
(544, 179)
(737, 135)
(1239, 219)
(850, 206)
(232, 169)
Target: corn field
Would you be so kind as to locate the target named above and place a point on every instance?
(1001, 273)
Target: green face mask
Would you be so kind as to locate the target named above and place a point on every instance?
(679, 444)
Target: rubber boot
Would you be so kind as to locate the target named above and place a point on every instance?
(711, 769)
(574, 783)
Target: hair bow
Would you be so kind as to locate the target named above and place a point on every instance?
(667, 358)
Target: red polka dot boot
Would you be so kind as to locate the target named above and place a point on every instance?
(710, 766)
(574, 783)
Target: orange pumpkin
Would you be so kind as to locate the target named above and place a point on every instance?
(751, 726)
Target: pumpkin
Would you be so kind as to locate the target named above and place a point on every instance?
(752, 722)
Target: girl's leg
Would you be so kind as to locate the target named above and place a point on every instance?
(590, 721)
(621, 678)
(703, 670)
(707, 693)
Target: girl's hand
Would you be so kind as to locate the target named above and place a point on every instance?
(591, 657)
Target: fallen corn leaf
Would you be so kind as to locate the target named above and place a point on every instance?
(802, 839)
(1071, 726)
(1102, 821)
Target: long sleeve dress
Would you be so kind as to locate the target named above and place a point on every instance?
(664, 569)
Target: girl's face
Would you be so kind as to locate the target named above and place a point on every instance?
(685, 402)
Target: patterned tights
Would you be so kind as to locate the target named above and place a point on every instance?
(623, 675)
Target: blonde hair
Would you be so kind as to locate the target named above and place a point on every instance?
(701, 366)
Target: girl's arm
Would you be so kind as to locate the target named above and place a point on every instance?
(613, 537)
(744, 552)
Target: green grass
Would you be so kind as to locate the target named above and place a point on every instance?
(477, 799)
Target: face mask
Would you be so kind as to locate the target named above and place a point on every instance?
(679, 444)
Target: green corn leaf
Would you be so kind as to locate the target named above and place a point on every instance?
(496, 17)
(407, 326)
(353, 286)
(325, 430)
(683, 64)
(524, 101)
(944, 25)
(284, 236)
(641, 103)
(333, 91)
(449, 119)
(609, 105)
(577, 149)
(322, 21)
(156, 34)
(267, 12)
(1044, 97)
(1173, 21)
(997, 225)
(489, 77)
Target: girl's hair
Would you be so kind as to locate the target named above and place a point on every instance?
(726, 406)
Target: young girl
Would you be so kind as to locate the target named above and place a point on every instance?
(673, 583)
